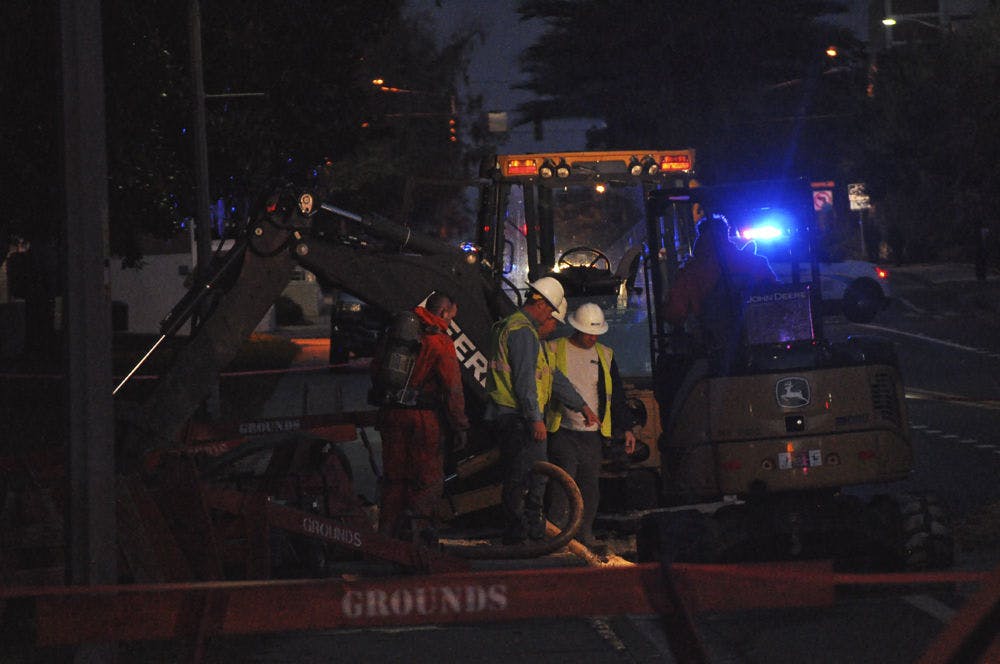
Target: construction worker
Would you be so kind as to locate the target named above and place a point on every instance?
(520, 383)
(575, 445)
(412, 432)
(704, 305)
(706, 293)
(551, 324)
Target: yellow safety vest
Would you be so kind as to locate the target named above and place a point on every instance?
(557, 350)
(500, 384)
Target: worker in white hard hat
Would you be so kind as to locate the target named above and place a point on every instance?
(520, 383)
(577, 445)
(551, 324)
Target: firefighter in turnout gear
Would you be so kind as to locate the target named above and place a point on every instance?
(414, 419)
(575, 445)
(520, 383)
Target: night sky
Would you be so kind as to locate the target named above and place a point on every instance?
(494, 66)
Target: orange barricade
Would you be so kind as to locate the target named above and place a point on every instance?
(974, 634)
(68, 615)
(335, 427)
(349, 530)
(162, 611)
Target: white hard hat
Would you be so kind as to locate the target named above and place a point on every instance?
(589, 319)
(551, 290)
(560, 313)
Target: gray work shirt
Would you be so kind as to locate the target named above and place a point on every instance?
(522, 350)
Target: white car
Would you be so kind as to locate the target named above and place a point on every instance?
(858, 289)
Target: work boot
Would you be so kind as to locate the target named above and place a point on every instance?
(536, 525)
(596, 547)
(429, 538)
(423, 531)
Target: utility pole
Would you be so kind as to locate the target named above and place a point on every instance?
(91, 537)
(203, 218)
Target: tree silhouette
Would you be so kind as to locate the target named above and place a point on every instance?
(931, 140)
(30, 130)
(318, 119)
(743, 83)
(311, 60)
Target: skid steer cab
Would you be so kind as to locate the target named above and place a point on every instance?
(753, 397)
(767, 417)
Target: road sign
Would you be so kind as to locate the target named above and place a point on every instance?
(858, 196)
(822, 199)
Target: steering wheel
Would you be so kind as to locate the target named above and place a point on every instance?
(514, 290)
(596, 255)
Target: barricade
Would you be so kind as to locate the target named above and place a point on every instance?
(64, 615)
(74, 615)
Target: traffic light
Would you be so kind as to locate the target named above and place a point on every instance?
(453, 129)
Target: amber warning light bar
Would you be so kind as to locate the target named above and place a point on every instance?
(522, 167)
(638, 163)
(675, 162)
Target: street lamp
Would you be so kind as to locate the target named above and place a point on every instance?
(918, 25)
(890, 21)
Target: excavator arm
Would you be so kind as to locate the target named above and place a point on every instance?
(377, 260)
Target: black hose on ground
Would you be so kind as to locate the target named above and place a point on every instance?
(533, 549)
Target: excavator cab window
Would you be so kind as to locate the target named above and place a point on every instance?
(507, 264)
(590, 237)
(582, 218)
(769, 218)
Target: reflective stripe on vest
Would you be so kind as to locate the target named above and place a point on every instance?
(500, 383)
(557, 351)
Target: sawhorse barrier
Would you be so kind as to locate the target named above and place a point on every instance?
(74, 615)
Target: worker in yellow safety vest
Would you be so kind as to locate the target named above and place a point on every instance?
(520, 383)
(576, 445)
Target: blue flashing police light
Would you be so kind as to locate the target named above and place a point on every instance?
(764, 233)
(772, 226)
